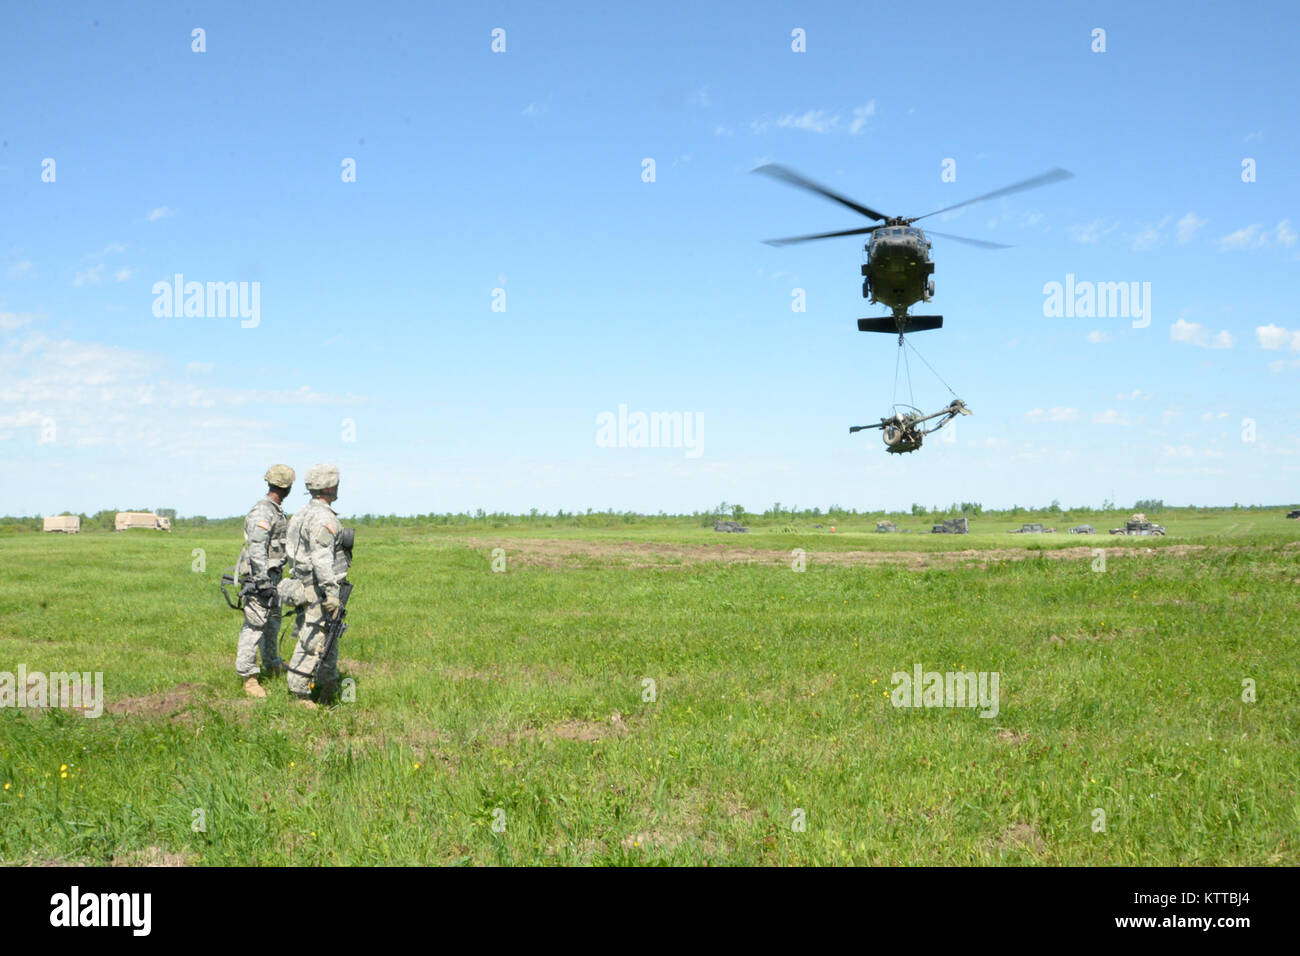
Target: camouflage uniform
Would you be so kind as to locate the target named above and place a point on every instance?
(319, 565)
(262, 561)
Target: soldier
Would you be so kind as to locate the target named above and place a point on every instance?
(320, 564)
(261, 565)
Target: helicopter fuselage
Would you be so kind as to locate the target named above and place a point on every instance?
(898, 269)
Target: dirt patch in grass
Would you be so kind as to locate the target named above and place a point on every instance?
(653, 840)
(1021, 836)
(569, 553)
(587, 731)
(160, 706)
(1012, 737)
(50, 861)
(150, 856)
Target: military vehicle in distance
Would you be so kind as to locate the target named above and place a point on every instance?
(730, 527)
(1083, 529)
(126, 520)
(1032, 527)
(886, 526)
(67, 524)
(952, 526)
(1139, 524)
(1294, 514)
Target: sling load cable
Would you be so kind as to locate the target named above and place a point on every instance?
(931, 368)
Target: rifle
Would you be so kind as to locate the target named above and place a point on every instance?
(268, 595)
(337, 625)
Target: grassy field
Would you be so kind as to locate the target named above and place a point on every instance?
(666, 694)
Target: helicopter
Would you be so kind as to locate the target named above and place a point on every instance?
(898, 272)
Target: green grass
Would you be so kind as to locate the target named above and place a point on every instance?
(479, 692)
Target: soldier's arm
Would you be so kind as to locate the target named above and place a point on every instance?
(257, 532)
(322, 558)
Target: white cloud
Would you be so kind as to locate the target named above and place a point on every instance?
(1275, 337)
(1096, 336)
(101, 394)
(860, 116)
(121, 275)
(200, 368)
(1187, 451)
(1193, 333)
(1170, 415)
(11, 321)
(162, 212)
(1091, 232)
(1110, 417)
(1149, 236)
(113, 248)
(699, 98)
(91, 276)
(20, 269)
(1213, 416)
(1248, 237)
(1189, 226)
(1133, 396)
(1055, 414)
(1255, 236)
(813, 121)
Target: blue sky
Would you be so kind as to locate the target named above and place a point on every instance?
(377, 346)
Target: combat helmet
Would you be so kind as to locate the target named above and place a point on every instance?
(281, 476)
(321, 477)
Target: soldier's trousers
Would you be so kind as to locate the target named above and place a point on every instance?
(310, 651)
(261, 626)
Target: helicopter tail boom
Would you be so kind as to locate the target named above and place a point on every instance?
(912, 323)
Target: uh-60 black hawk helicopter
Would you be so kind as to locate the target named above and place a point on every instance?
(898, 273)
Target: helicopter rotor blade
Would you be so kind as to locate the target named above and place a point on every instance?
(1044, 179)
(982, 243)
(777, 171)
(821, 235)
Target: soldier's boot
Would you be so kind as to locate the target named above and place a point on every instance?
(328, 693)
(253, 689)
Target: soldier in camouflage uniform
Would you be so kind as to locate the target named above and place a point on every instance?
(261, 565)
(319, 566)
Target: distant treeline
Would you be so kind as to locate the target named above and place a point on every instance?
(777, 513)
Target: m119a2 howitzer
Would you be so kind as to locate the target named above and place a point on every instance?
(902, 431)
